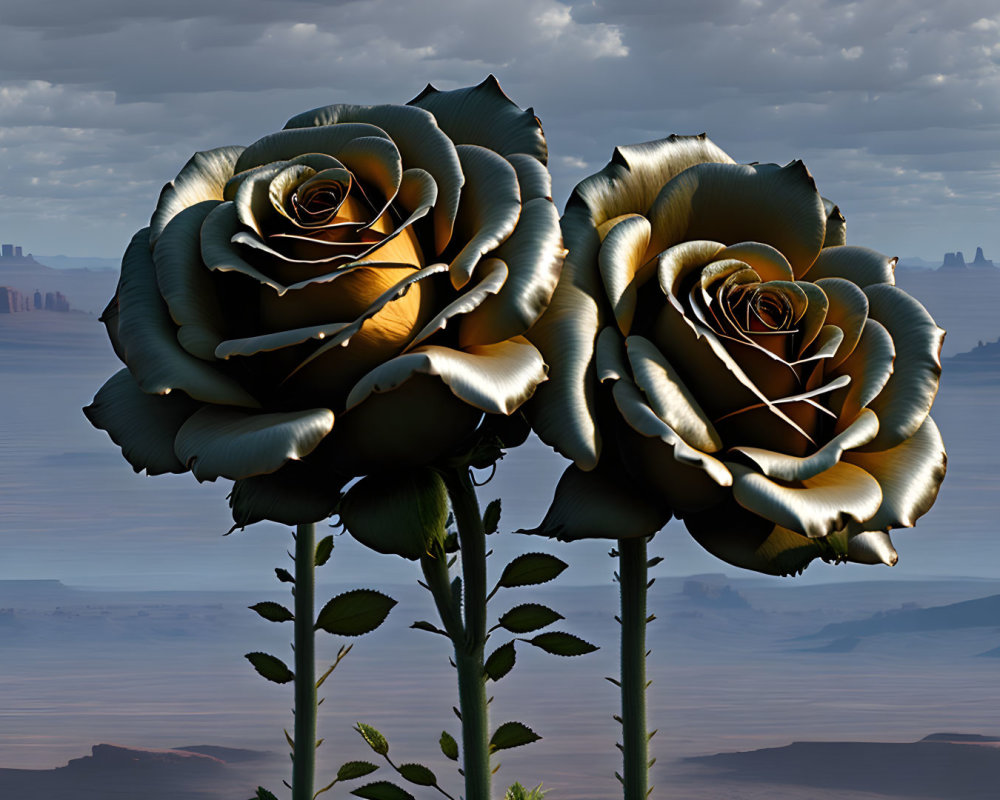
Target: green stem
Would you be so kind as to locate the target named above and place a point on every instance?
(470, 648)
(304, 761)
(635, 743)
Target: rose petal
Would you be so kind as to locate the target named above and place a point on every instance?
(791, 468)
(910, 475)
(495, 378)
(563, 412)
(224, 442)
(669, 397)
(872, 547)
(534, 255)
(186, 285)
(532, 176)
(630, 182)
(203, 177)
(609, 356)
(642, 419)
(491, 205)
(484, 115)
(734, 203)
(745, 540)
(493, 274)
(621, 261)
(848, 310)
(296, 494)
(836, 225)
(767, 262)
(907, 397)
(377, 164)
(143, 425)
(869, 366)
(148, 338)
(285, 145)
(217, 251)
(421, 144)
(600, 504)
(860, 265)
(815, 506)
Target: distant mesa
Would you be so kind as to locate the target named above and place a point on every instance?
(957, 261)
(13, 301)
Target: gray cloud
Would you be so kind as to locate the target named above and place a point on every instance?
(894, 106)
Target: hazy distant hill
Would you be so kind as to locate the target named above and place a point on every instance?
(930, 768)
(78, 262)
(984, 612)
(87, 289)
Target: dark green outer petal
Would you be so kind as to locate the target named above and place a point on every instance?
(148, 338)
(229, 443)
(486, 116)
(600, 504)
(185, 283)
(204, 177)
(298, 493)
(143, 425)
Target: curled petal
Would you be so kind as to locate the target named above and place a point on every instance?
(534, 255)
(848, 311)
(421, 143)
(609, 356)
(486, 116)
(792, 468)
(203, 178)
(225, 442)
(495, 378)
(376, 163)
(814, 506)
(490, 208)
(148, 338)
(860, 265)
(669, 397)
(563, 412)
(910, 475)
(287, 144)
(641, 418)
(909, 393)
(765, 260)
(624, 267)
(221, 224)
(532, 176)
(730, 532)
(679, 262)
(733, 203)
(296, 494)
(836, 225)
(630, 182)
(186, 285)
(600, 504)
(872, 547)
(493, 275)
(869, 366)
(143, 425)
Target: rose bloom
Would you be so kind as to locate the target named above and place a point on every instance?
(345, 296)
(717, 352)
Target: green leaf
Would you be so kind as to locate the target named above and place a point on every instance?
(530, 569)
(491, 517)
(273, 612)
(264, 794)
(269, 667)
(423, 625)
(382, 790)
(284, 575)
(323, 550)
(449, 746)
(512, 734)
(376, 741)
(418, 774)
(355, 769)
(500, 662)
(355, 613)
(562, 644)
(528, 617)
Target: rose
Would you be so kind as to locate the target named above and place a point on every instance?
(717, 351)
(342, 297)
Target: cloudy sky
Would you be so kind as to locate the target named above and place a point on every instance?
(893, 104)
